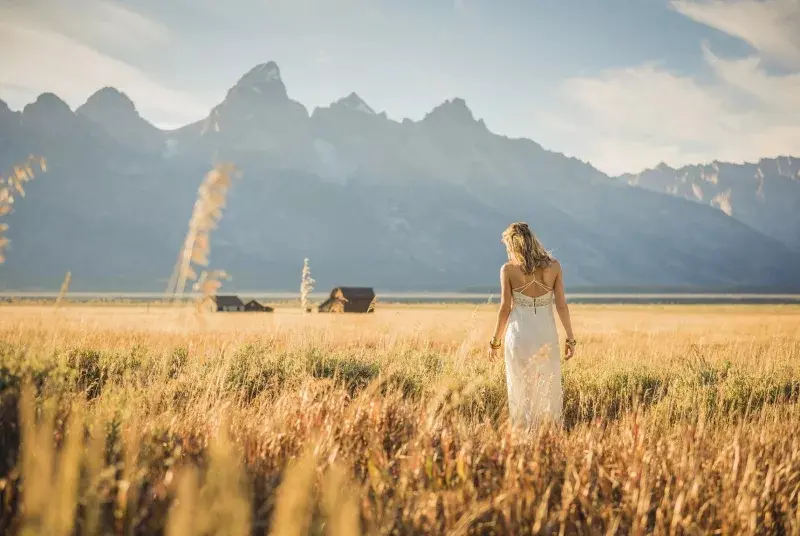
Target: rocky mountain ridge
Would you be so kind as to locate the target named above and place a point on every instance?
(399, 205)
(764, 195)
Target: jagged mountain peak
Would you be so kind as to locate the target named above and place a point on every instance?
(258, 102)
(455, 107)
(269, 71)
(50, 102)
(453, 111)
(108, 99)
(760, 194)
(264, 79)
(423, 191)
(663, 166)
(7, 115)
(355, 103)
(783, 166)
(115, 113)
(48, 108)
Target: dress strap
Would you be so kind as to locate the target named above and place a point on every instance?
(531, 282)
(525, 286)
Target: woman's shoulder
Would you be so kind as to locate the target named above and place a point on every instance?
(554, 265)
(508, 267)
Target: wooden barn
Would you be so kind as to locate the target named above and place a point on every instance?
(255, 307)
(228, 303)
(349, 300)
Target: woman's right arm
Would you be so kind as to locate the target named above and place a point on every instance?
(563, 308)
(505, 309)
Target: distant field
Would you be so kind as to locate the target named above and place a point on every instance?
(609, 298)
(679, 419)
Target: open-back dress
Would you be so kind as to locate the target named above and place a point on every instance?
(533, 359)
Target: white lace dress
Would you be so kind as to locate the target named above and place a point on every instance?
(533, 362)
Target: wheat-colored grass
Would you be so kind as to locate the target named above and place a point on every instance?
(196, 250)
(679, 420)
(13, 185)
(306, 285)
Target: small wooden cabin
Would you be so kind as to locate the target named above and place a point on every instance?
(349, 300)
(228, 304)
(255, 307)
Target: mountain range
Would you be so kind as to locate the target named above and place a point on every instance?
(764, 195)
(399, 205)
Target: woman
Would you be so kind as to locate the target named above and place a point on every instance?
(531, 281)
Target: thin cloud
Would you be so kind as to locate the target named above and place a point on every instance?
(772, 27)
(779, 91)
(628, 119)
(97, 23)
(59, 51)
(40, 61)
(636, 117)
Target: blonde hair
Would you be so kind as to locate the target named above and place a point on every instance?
(525, 249)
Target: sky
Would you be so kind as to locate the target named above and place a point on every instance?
(622, 84)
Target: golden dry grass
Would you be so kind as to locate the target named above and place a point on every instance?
(14, 185)
(153, 420)
(207, 212)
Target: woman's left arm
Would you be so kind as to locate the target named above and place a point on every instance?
(503, 313)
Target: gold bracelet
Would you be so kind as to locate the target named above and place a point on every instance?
(495, 344)
(573, 343)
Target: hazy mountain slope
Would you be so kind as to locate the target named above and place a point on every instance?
(397, 205)
(765, 196)
(116, 114)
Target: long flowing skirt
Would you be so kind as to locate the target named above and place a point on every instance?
(533, 367)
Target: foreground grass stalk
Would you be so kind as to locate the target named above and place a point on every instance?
(14, 185)
(211, 199)
(340, 504)
(295, 497)
(182, 515)
(306, 285)
(50, 478)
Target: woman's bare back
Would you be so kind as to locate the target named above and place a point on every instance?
(535, 285)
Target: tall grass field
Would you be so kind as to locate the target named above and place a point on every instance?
(133, 419)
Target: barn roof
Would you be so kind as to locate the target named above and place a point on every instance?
(255, 305)
(355, 293)
(228, 301)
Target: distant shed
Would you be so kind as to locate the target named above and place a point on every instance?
(349, 300)
(228, 303)
(255, 307)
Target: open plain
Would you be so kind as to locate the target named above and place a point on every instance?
(151, 419)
